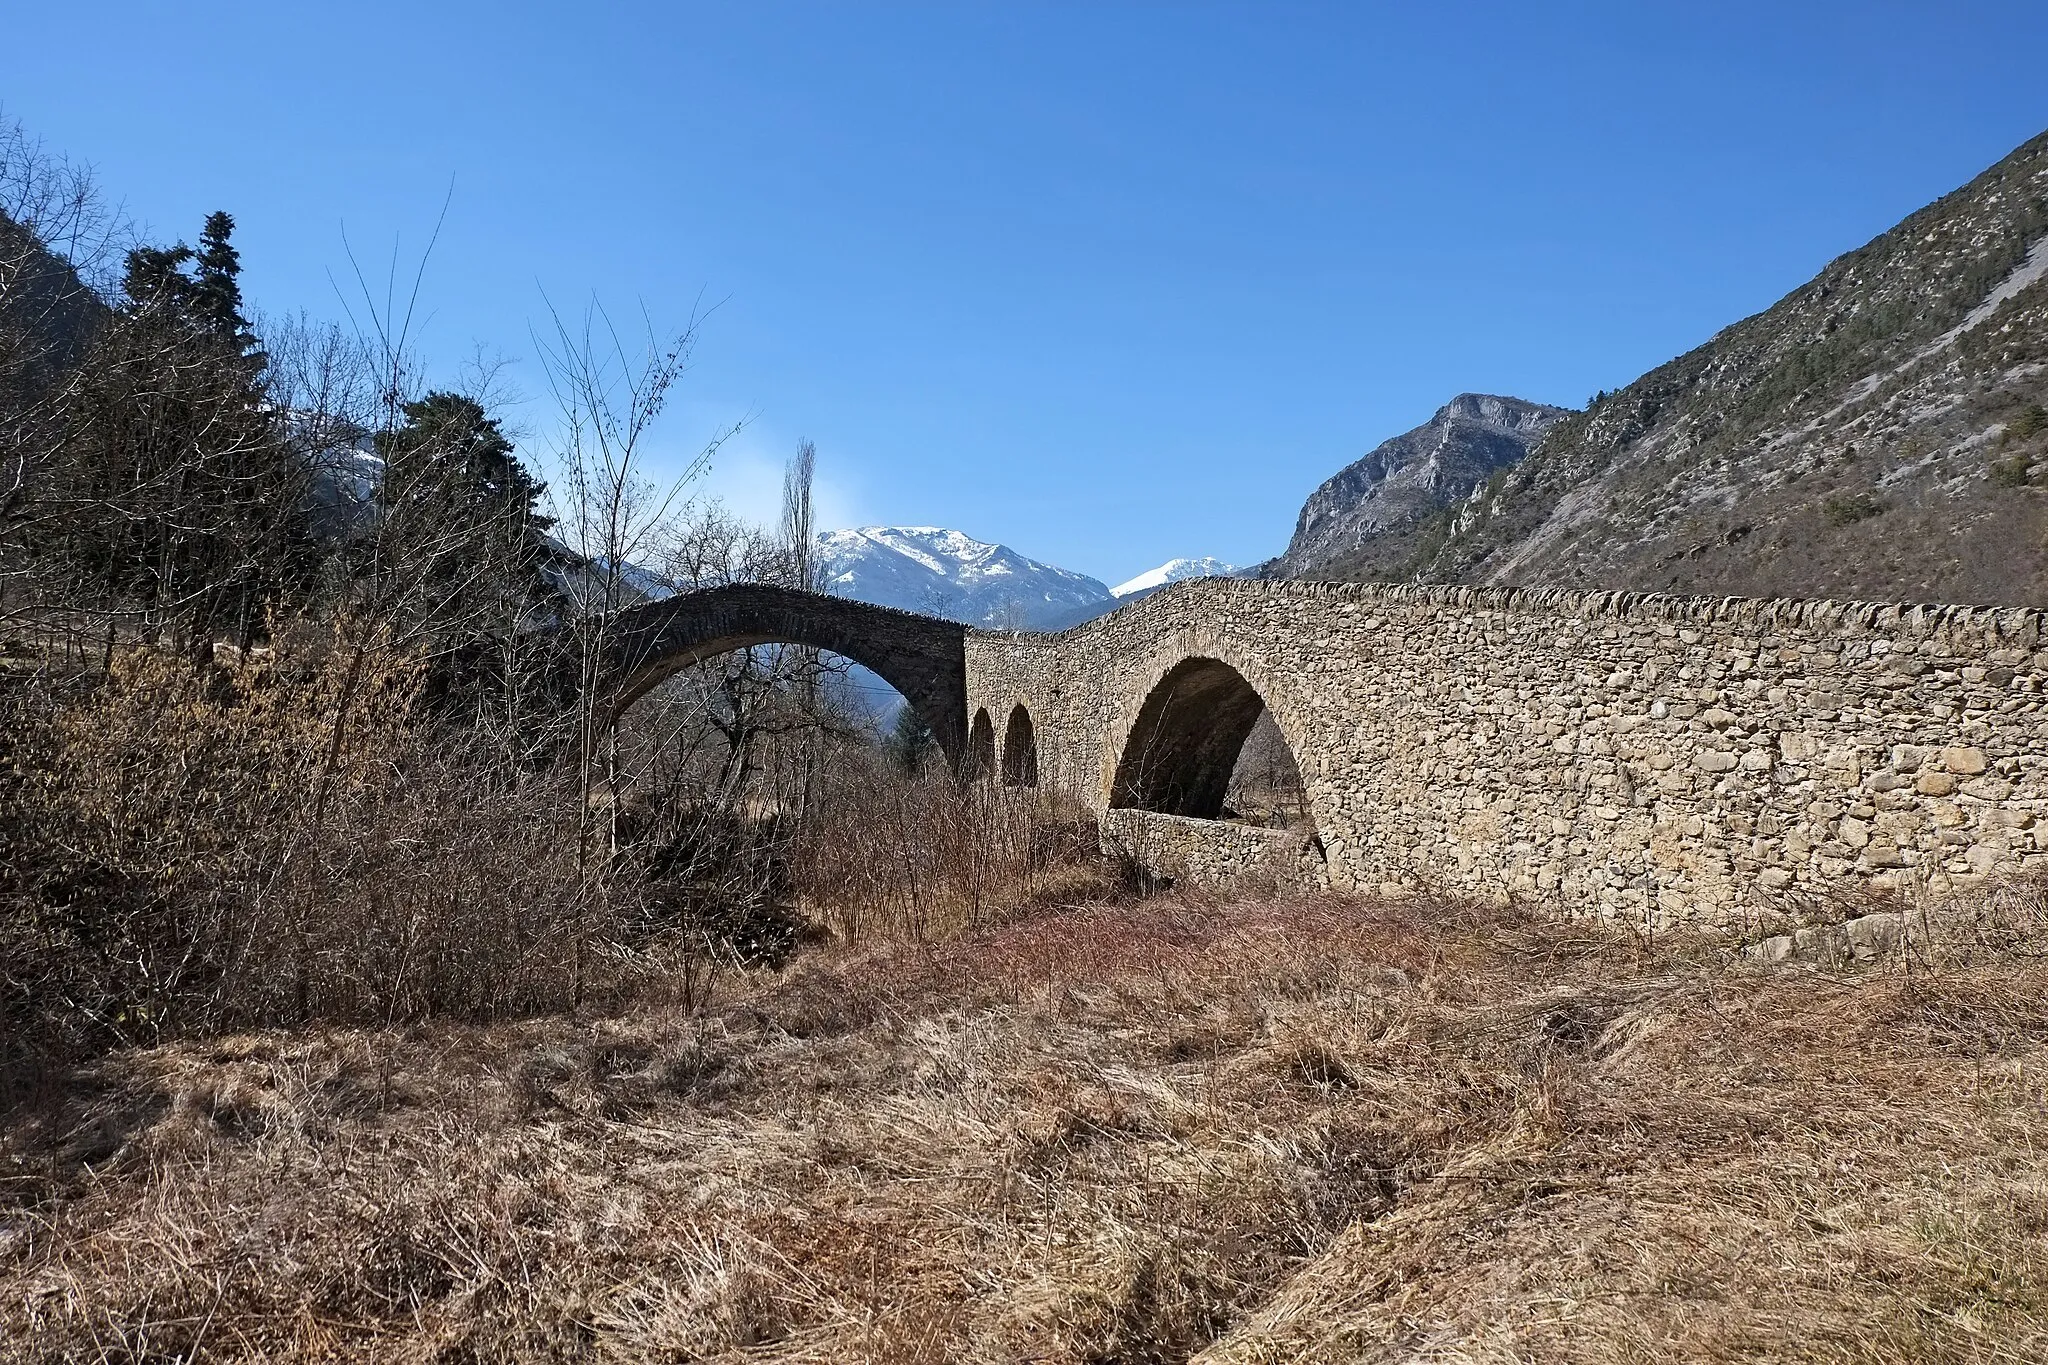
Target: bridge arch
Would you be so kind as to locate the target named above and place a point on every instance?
(1178, 742)
(1020, 749)
(980, 763)
(922, 657)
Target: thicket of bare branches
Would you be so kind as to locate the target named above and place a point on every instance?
(300, 716)
(191, 850)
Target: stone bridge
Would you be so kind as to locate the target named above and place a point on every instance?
(1673, 758)
(922, 657)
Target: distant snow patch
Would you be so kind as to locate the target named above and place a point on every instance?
(1173, 571)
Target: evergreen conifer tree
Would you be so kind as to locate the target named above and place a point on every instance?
(459, 516)
(911, 740)
(188, 501)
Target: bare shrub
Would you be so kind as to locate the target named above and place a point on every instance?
(919, 857)
(202, 848)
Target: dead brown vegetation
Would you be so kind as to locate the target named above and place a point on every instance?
(1156, 1131)
(193, 849)
(881, 857)
(186, 850)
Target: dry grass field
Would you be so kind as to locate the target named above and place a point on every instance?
(1161, 1130)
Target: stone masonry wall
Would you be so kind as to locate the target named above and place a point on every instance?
(1215, 852)
(1675, 758)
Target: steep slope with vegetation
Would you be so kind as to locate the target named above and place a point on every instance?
(1878, 433)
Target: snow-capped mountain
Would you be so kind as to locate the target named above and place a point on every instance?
(1173, 571)
(949, 573)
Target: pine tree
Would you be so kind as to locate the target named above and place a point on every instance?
(187, 503)
(216, 285)
(911, 740)
(459, 518)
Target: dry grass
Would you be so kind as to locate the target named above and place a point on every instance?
(1265, 1131)
(919, 859)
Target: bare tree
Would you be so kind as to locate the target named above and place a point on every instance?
(799, 529)
(613, 511)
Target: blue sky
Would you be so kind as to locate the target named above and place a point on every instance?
(1108, 283)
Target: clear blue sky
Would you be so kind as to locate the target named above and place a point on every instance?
(1108, 283)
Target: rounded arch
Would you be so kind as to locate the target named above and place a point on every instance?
(1176, 744)
(922, 657)
(1020, 749)
(981, 747)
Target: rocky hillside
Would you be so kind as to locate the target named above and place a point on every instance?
(1878, 433)
(47, 317)
(1362, 523)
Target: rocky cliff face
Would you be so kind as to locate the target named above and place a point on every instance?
(1878, 433)
(1362, 523)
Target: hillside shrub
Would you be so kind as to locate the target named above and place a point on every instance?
(2029, 422)
(1845, 509)
(2014, 471)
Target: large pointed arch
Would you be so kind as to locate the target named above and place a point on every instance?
(1179, 738)
(922, 657)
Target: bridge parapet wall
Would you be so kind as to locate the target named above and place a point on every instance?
(1669, 758)
(1215, 852)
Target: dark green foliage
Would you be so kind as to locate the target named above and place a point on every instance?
(200, 290)
(458, 508)
(2031, 421)
(1844, 509)
(175, 495)
(458, 557)
(911, 741)
(2014, 471)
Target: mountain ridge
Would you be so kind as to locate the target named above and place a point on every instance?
(1173, 571)
(1359, 522)
(1876, 433)
(944, 572)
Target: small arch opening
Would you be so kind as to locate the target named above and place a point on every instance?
(981, 748)
(1188, 753)
(1020, 749)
